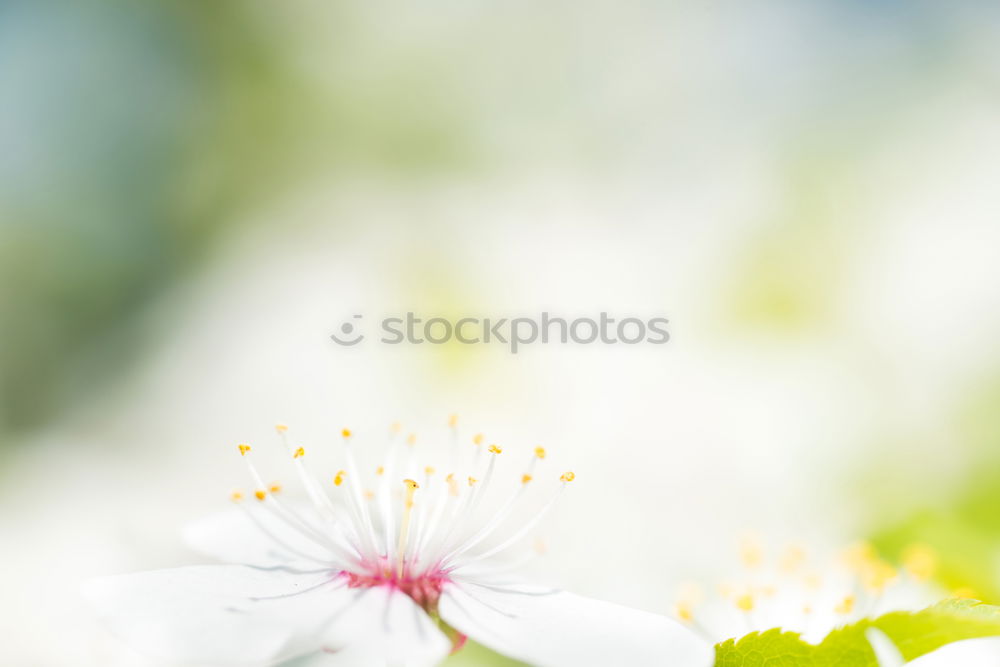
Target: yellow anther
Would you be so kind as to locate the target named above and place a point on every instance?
(299, 453)
(689, 597)
(859, 555)
(452, 484)
(750, 552)
(338, 479)
(346, 433)
(813, 581)
(236, 496)
(429, 470)
(494, 449)
(845, 606)
(793, 558)
(244, 449)
(525, 478)
(395, 427)
(380, 470)
(472, 481)
(684, 611)
(920, 561)
(807, 610)
(411, 484)
(744, 602)
(567, 477)
(877, 575)
(260, 494)
(453, 421)
(411, 439)
(281, 428)
(275, 488)
(539, 452)
(965, 593)
(369, 494)
(477, 439)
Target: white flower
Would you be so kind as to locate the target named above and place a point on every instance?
(398, 575)
(811, 598)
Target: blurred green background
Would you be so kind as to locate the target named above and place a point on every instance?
(806, 190)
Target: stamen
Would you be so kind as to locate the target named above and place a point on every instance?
(460, 512)
(285, 546)
(428, 538)
(386, 473)
(364, 523)
(446, 508)
(495, 521)
(244, 449)
(313, 489)
(516, 537)
(404, 528)
(292, 519)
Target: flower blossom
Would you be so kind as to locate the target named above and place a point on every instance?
(398, 573)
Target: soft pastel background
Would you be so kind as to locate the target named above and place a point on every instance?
(194, 195)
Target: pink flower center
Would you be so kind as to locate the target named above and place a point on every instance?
(424, 589)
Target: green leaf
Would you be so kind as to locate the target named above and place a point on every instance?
(477, 655)
(914, 634)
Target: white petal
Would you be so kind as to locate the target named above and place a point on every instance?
(233, 537)
(982, 652)
(556, 629)
(885, 651)
(208, 614)
(385, 628)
